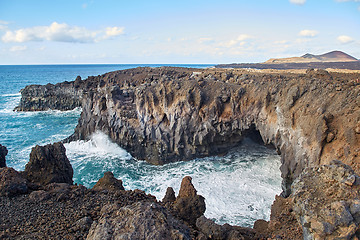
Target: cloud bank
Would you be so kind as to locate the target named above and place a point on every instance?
(60, 32)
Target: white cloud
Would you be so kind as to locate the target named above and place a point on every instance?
(239, 41)
(60, 32)
(308, 33)
(18, 48)
(114, 31)
(298, 2)
(344, 39)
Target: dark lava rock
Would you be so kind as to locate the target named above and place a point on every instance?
(3, 153)
(109, 182)
(224, 232)
(49, 164)
(141, 220)
(11, 182)
(188, 204)
(169, 195)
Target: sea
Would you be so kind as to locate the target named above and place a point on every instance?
(238, 187)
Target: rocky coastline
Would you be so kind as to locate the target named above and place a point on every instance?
(168, 114)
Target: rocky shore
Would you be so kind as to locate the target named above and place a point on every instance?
(168, 114)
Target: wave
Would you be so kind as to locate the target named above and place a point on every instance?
(238, 188)
(11, 95)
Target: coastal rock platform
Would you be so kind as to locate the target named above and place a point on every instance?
(166, 114)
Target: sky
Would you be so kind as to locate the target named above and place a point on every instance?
(196, 31)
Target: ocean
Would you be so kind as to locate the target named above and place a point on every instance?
(239, 187)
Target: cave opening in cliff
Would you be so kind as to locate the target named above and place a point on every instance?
(239, 186)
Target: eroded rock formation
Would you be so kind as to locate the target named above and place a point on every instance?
(49, 164)
(171, 114)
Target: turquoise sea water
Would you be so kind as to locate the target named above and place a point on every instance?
(239, 187)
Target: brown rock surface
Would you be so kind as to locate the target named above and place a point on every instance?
(141, 220)
(11, 182)
(108, 182)
(327, 201)
(188, 204)
(49, 164)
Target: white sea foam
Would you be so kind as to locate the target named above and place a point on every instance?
(98, 145)
(238, 188)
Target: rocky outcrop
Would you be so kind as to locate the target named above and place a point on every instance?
(327, 202)
(141, 220)
(171, 114)
(3, 153)
(188, 204)
(11, 182)
(49, 164)
(108, 182)
(61, 96)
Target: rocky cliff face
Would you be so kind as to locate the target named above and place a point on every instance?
(171, 114)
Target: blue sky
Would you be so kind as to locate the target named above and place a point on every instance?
(197, 31)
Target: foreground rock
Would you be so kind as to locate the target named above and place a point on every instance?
(3, 153)
(188, 204)
(141, 220)
(49, 164)
(327, 202)
(11, 182)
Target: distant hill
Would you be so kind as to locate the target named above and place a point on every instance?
(334, 56)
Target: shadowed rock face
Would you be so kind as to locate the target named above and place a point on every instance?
(11, 182)
(49, 164)
(3, 153)
(171, 114)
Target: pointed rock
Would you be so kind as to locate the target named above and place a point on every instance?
(49, 164)
(187, 189)
(3, 153)
(108, 182)
(188, 204)
(169, 195)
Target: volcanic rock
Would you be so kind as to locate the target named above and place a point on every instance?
(141, 220)
(11, 182)
(3, 153)
(326, 201)
(108, 182)
(188, 204)
(168, 114)
(169, 196)
(49, 164)
(224, 232)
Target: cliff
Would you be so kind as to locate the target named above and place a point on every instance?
(170, 114)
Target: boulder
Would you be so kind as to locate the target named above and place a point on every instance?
(140, 220)
(49, 164)
(3, 153)
(188, 204)
(11, 182)
(108, 182)
(326, 201)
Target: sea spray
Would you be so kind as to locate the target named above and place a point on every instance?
(238, 187)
